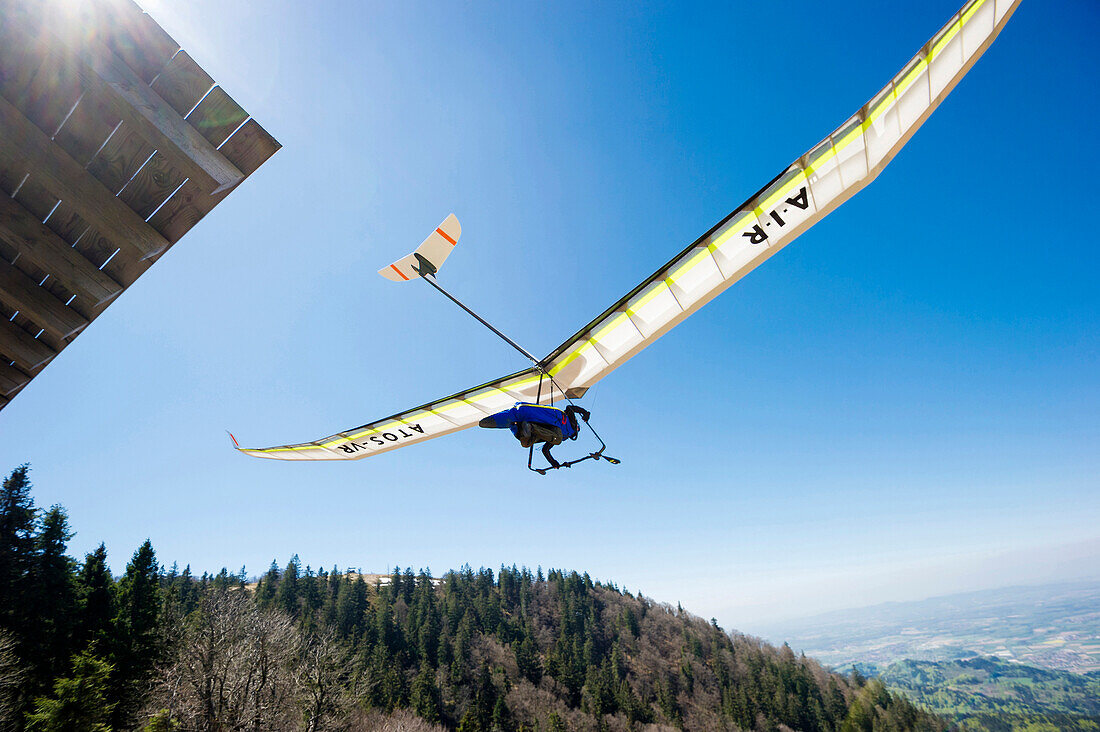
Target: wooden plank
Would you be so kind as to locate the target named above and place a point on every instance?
(28, 148)
(248, 148)
(36, 242)
(217, 116)
(66, 223)
(38, 201)
(44, 88)
(87, 128)
(97, 67)
(11, 379)
(9, 179)
(74, 230)
(152, 186)
(120, 158)
(131, 34)
(185, 209)
(182, 83)
(36, 197)
(19, 291)
(134, 37)
(92, 245)
(157, 122)
(24, 324)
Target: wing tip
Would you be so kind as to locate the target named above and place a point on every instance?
(452, 223)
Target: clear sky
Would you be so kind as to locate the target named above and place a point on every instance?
(901, 403)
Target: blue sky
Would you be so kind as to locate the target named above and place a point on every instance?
(901, 403)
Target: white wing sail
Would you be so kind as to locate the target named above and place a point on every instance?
(436, 248)
(434, 419)
(808, 190)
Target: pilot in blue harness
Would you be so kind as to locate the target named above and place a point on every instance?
(534, 423)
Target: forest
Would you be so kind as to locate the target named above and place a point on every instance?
(300, 648)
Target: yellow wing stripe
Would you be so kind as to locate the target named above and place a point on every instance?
(795, 182)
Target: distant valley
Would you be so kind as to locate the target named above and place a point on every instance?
(1049, 626)
(1009, 660)
(991, 694)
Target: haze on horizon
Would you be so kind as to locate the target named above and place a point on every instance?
(901, 404)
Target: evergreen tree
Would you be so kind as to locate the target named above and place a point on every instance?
(52, 599)
(17, 524)
(332, 592)
(136, 648)
(502, 718)
(80, 701)
(268, 586)
(349, 611)
(425, 695)
(286, 598)
(311, 592)
(189, 594)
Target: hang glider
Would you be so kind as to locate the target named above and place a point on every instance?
(809, 189)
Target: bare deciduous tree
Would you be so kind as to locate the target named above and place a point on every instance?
(11, 677)
(322, 681)
(237, 668)
(400, 720)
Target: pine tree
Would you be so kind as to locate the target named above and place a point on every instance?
(80, 701)
(348, 610)
(425, 695)
(136, 648)
(17, 523)
(268, 586)
(332, 591)
(311, 592)
(502, 717)
(286, 598)
(52, 598)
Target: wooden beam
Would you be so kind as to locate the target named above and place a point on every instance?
(157, 122)
(217, 116)
(248, 148)
(134, 36)
(18, 345)
(182, 83)
(27, 148)
(11, 379)
(129, 97)
(37, 303)
(35, 241)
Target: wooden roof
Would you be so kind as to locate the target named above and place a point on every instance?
(113, 144)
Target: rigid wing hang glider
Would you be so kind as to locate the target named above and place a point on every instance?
(796, 199)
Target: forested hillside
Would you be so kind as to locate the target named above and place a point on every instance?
(303, 649)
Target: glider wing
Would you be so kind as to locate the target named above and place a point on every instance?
(433, 419)
(796, 199)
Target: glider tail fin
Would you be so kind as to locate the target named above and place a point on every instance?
(429, 256)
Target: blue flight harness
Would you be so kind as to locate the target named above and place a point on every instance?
(534, 423)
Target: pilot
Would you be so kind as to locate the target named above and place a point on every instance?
(534, 423)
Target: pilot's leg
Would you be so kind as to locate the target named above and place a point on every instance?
(549, 458)
(525, 434)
